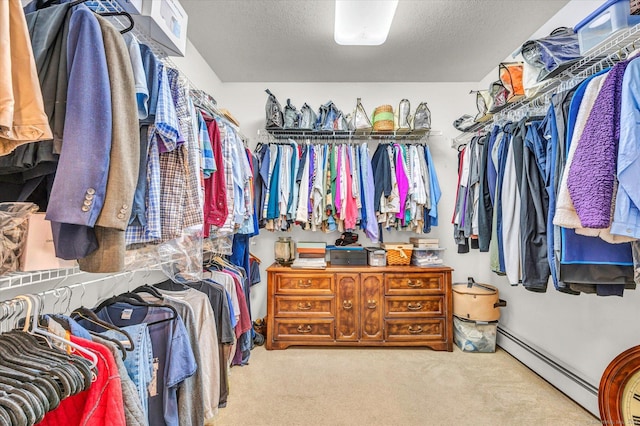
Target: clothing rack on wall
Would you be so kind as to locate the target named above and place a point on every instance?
(12, 309)
(26, 280)
(207, 102)
(603, 56)
(266, 136)
(117, 13)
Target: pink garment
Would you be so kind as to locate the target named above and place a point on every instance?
(338, 203)
(403, 182)
(351, 212)
(244, 324)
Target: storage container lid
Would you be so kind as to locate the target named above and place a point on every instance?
(424, 240)
(596, 12)
(375, 250)
(397, 246)
(472, 287)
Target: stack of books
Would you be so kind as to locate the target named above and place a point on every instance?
(311, 255)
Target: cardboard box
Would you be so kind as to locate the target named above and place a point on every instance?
(39, 252)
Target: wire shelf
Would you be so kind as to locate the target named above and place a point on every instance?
(279, 134)
(14, 280)
(613, 50)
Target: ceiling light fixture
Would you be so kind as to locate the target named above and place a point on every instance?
(363, 22)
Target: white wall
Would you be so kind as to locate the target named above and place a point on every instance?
(196, 69)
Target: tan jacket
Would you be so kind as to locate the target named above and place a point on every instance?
(22, 116)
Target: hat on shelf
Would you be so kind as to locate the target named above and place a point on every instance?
(228, 116)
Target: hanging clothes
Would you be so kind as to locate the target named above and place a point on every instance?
(124, 158)
(77, 195)
(170, 342)
(327, 187)
(626, 217)
(22, 115)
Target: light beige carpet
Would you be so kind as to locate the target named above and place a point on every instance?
(358, 386)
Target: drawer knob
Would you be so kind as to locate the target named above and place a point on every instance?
(372, 304)
(416, 330)
(304, 306)
(303, 329)
(304, 284)
(415, 284)
(347, 304)
(416, 307)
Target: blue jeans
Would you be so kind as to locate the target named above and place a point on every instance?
(139, 362)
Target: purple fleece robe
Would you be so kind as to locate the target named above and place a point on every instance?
(593, 171)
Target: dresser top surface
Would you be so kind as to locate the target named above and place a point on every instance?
(367, 269)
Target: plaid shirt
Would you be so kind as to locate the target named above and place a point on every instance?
(193, 208)
(166, 118)
(174, 187)
(209, 163)
(179, 201)
(227, 157)
(152, 230)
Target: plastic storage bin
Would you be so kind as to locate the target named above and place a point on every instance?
(475, 336)
(377, 256)
(427, 257)
(613, 16)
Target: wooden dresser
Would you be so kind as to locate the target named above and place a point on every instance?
(360, 306)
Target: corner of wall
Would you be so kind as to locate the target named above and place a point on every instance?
(197, 70)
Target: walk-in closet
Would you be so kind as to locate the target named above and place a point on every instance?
(319, 212)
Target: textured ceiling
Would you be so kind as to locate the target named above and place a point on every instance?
(429, 41)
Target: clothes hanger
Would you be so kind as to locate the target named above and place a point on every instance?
(88, 315)
(65, 324)
(171, 285)
(122, 13)
(42, 382)
(33, 304)
(146, 288)
(134, 299)
(124, 297)
(105, 14)
(31, 327)
(26, 353)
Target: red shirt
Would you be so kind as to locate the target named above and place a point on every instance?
(101, 404)
(215, 188)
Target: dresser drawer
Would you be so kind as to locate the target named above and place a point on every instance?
(414, 284)
(304, 283)
(304, 306)
(414, 306)
(414, 329)
(304, 329)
